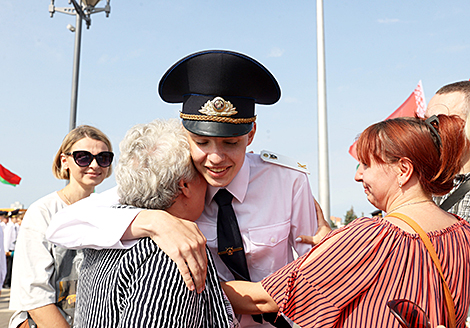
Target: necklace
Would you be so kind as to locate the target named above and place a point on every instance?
(411, 203)
(66, 198)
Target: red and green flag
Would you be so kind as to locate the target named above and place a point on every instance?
(8, 177)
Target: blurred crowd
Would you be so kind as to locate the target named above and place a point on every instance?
(10, 223)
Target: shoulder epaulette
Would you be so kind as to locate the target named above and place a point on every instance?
(281, 160)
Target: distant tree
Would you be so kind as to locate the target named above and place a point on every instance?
(332, 224)
(350, 216)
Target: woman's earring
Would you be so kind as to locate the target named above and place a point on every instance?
(399, 184)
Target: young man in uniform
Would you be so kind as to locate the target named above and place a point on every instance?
(255, 206)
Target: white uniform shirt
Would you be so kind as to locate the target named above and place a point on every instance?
(273, 205)
(92, 223)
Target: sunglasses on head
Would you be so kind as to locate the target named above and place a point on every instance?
(84, 158)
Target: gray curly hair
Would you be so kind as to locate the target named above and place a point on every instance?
(154, 158)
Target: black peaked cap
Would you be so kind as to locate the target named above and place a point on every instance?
(219, 89)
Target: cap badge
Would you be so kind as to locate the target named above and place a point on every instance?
(218, 107)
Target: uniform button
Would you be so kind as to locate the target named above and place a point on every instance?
(273, 240)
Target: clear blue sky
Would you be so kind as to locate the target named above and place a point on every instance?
(376, 52)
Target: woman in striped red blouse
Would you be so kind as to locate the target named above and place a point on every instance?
(348, 278)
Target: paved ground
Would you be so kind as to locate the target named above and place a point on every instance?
(5, 314)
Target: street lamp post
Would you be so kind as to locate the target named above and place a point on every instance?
(82, 10)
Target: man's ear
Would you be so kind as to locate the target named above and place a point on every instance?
(251, 134)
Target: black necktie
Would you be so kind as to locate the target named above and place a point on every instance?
(230, 243)
(230, 249)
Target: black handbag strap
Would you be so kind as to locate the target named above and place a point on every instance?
(457, 195)
(31, 322)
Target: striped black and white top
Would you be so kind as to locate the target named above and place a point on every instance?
(142, 287)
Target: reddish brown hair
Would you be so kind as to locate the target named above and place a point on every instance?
(435, 164)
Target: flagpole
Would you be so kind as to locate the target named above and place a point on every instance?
(323, 172)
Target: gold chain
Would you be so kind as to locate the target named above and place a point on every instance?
(66, 198)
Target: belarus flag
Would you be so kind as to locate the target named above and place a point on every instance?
(8, 177)
(415, 104)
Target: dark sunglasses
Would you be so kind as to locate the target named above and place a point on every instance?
(84, 158)
(409, 314)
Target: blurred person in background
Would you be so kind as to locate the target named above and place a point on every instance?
(4, 219)
(10, 233)
(3, 260)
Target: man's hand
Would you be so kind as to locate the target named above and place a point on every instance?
(180, 239)
(323, 229)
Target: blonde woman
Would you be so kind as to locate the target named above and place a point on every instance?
(45, 276)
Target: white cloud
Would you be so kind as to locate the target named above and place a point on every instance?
(276, 52)
(290, 100)
(106, 59)
(136, 53)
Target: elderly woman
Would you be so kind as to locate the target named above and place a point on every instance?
(349, 277)
(141, 286)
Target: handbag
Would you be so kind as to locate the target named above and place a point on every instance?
(432, 252)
